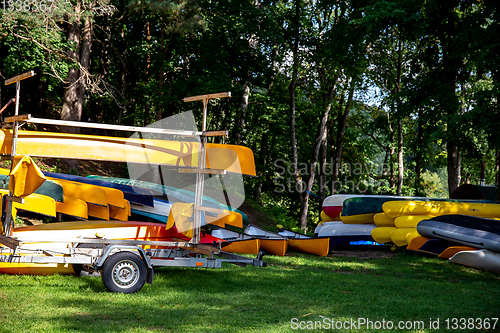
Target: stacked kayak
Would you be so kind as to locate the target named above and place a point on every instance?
(340, 233)
(465, 239)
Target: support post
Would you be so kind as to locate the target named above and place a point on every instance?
(202, 161)
(9, 221)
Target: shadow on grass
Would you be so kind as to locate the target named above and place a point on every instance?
(402, 288)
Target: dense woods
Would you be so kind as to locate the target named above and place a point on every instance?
(381, 97)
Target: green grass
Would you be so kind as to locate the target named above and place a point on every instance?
(252, 299)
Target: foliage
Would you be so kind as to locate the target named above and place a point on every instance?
(147, 55)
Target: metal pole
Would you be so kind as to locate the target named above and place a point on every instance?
(200, 177)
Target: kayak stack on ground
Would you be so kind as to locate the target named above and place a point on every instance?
(351, 225)
(399, 220)
(463, 239)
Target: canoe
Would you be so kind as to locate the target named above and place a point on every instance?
(436, 208)
(86, 192)
(370, 204)
(325, 218)
(483, 259)
(467, 230)
(382, 235)
(35, 203)
(73, 207)
(340, 233)
(48, 188)
(228, 217)
(173, 194)
(319, 246)
(238, 242)
(270, 242)
(119, 213)
(116, 192)
(98, 211)
(382, 220)
(332, 205)
(452, 250)
(232, 158)
(416, 243)
(398, 236)
(410, 221)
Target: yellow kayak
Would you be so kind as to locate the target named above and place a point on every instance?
(400, 208)
(398, 236)
(74, 207)
(382, 235)
(101, 212)
(358, 219)
(382, 220)
(411, 236)
(410, 221)
(416, 243)
(35, 203)
(103, 148)
(228, 217)
(35, 269)
(121, 214)
(317, 246)
(247, 246)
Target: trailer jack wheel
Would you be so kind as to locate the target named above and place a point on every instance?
(124, 272)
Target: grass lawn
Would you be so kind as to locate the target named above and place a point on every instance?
(403, 287)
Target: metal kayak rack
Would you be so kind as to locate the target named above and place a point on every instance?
(124, 265)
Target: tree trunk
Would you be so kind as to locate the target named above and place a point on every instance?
(453, 167)
(400, 157)
(418, 155)
(341, 126)
(399, 105)
(72, 106)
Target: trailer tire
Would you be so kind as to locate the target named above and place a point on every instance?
(124, 272)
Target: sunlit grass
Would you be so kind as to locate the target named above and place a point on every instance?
(252, 299)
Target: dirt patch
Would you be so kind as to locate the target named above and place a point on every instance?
(362, 254)
(255, 216)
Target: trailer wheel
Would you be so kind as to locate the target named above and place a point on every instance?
(124, 272)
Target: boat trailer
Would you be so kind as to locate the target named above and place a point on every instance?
(124, 265)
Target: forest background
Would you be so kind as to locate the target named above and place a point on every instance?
(376, 97)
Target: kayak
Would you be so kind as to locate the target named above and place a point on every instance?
(238, 242)
(232, 158)
(116, 192)
(466, 230)
(483, 259)
(173, 194)
(435, 208)
(270, 242)
(319, 246)
(410, 221)
(398, 236)
(332, 205)
(382, 220)
(48, 188)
